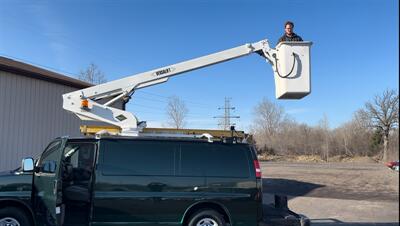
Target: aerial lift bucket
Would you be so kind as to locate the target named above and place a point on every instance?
(292, 71)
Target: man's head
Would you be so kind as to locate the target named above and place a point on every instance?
(289, 28)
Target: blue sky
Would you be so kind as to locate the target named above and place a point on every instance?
(354, 56)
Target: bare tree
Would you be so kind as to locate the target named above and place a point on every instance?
(394, 145)
(268, 118)
(370, 128)
(323, 125)
(383, 114)
(177, 112)
(92, 74)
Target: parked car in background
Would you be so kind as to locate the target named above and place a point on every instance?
(394, 165)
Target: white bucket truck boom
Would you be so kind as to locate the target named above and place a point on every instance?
(290, 62)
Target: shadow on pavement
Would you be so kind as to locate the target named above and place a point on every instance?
(335, 222)
(288, 187)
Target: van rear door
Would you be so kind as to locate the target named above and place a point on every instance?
(232, 181)
(258, 172)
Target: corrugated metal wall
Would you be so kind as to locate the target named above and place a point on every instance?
(31, 115)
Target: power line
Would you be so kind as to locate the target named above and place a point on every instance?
(226, 123)
(40, 65)
(163, 101)
(165, 97)
(159, 110)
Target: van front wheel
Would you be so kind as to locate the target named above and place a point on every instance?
(14, 217)
(207, 218)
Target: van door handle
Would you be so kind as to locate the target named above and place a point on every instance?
(198, 188)
(55, 187)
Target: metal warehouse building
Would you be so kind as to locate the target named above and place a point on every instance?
(31, 112)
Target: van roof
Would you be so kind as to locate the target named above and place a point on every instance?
(171, 139)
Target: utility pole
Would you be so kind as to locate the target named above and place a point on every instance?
(226, 118)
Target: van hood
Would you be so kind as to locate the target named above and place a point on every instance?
(15, 181)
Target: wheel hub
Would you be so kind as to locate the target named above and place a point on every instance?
(9, 221)
(207, 222)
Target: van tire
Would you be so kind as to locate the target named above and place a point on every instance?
(14, 215)
(206, 215)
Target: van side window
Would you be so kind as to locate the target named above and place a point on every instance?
(227, 161)
(78, 161)
(139, 158)
(213, 160)
(192, 160)
(49, 159)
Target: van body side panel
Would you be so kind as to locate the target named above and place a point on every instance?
(142, 202)
(232, 183)
(124, 196)
(152, 182)
(237, 196)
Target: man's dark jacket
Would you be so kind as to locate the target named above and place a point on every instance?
(294, 38)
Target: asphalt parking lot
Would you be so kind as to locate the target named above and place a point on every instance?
(336, 193)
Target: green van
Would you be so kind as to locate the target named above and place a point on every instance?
(135, 181)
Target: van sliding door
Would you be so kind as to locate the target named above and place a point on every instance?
(135, 183)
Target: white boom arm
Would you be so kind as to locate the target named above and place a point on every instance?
(291, 82)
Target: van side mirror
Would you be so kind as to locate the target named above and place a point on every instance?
(27, 165)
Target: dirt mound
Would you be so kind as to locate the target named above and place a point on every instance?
(315, 158)
(364, 159)
(291, 158)
(308, 158)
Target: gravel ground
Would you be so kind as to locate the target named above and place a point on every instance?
(336, 193)
(332, 180)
